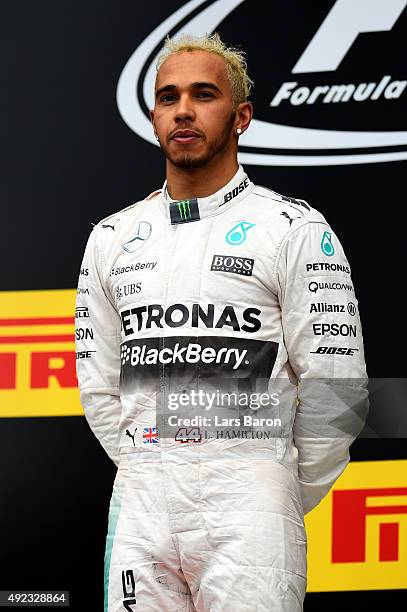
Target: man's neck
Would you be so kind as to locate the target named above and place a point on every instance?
(184, 184)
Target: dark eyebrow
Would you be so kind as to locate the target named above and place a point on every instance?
(204, 85)
(165, 88)
(197, 85)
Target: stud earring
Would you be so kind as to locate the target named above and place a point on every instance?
(238, 131)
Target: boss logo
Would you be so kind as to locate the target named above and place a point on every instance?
(236, 265)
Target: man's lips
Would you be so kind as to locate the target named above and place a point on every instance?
(185, 136)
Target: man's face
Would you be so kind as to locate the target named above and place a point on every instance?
(193, 114)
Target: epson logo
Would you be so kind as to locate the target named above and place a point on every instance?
(83, 333)
(334, 329)
(236, 265)
(299, 137)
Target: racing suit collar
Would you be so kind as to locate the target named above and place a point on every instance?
(184, 211)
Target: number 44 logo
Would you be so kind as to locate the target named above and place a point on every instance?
(184, 435)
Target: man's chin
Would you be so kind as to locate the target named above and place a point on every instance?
(187, 161)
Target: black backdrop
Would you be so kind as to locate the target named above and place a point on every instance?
(68, 159)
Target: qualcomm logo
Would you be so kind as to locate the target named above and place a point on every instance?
(330, 44)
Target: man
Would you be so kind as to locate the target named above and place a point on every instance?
(214, 285)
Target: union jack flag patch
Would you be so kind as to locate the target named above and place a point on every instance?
(150, 435)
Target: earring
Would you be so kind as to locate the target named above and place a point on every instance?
(238, 131)
(156, 136)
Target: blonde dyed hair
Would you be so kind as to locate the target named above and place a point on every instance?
(235, 60)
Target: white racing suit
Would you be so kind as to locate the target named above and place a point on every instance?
(186, 313)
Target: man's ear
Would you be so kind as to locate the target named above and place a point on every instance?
(152, 122)
(244, 113)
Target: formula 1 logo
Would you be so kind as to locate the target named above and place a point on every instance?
(333, 42)
(326, 50)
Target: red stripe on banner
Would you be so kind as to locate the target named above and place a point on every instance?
(38, 321)
(29, 339)
(386, 509)
(8, 370)
(389, 542)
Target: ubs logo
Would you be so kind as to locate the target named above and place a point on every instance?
(126, 290)
(325, 49)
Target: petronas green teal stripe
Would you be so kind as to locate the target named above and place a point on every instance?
(111, 530)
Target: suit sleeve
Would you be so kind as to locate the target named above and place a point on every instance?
(97, 335)
(323, 339)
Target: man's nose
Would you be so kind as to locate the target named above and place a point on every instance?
(185, 109)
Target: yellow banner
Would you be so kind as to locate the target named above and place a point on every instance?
(357, 536)
(37, 354)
